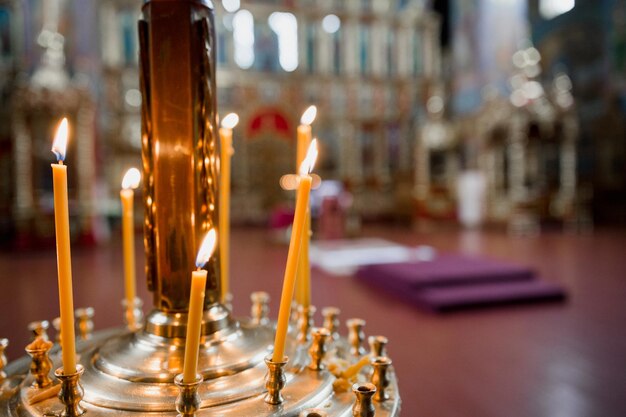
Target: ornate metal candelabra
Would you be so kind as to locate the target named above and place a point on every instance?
(134, 372)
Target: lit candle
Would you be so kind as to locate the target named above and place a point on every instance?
(127, 195)
(304, 269)
(303, 282)
(299, 221)
(304, 134)
(196, 307)
(226, 152)
(64, 262)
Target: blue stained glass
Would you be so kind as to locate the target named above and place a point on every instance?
(401, 4)
(310, 48)
(221, 48)
(337, 52)
(417, 50)
(128, 37)
(363, 49)
(390, 53)
(265, 48)
(5, 32)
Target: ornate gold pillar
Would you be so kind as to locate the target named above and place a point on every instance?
(179, 146)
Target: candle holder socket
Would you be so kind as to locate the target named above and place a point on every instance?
(363, 406)
(331, 321)
(275, 380)
(4, 343)
(39, 329)
(133, 316)
(84, 322)
(380, 377)
(40, 364)
(356, 336)
(317, 351)
(188, 400)
(378, 345)
(260, 307)
(71, 392)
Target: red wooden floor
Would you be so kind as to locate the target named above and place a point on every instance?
(553, 360)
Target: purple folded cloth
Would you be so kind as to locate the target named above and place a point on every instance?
(444, 270)
(485, 295)
(453, 282)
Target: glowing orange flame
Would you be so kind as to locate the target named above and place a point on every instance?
(206, 248)
(309, 160)
(230, 121)
(309, 115)
(59, 145)
(131, 179)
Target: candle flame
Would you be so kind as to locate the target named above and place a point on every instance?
(206, 248)
(131, 179)
(309, 160)
(309, 115)
(230, 121)
(59, 145)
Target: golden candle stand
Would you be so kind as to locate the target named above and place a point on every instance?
(134, 371)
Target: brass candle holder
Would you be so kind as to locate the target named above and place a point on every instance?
(275, 380)
(4, 343)
(84, 322)
(294, 316)
(134, 314)
(260, 307)
(228, 302)
(318, 348)
(56, 323)
(72, 392)
(305, 322)
(380, 377)
(39, 329)
(40, 364)
(188, 401)
(363, 406)
(331, 321)
(356, 336)
(378, 345)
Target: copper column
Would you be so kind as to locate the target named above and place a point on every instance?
(179, 146)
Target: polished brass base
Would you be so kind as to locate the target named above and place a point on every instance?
(132, 373)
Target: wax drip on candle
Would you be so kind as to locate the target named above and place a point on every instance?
(206, 248)
(309, 160)
(59, 145)
(309, 115)
(131, 179)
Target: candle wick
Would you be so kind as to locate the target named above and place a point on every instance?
(60, 162)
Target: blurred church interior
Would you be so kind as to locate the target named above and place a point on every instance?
(477, 129)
